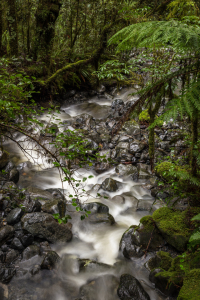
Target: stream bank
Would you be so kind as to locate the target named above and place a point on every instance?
(81, 260)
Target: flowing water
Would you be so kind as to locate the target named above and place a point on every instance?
(98, 242)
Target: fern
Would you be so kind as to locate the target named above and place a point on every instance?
(158, 34)
(196, 218)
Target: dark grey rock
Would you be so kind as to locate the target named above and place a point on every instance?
(16, 244)
(136, 146)
(39, 194)
(6, 274)
(14, 175)
(54, 206)
(123, 155)
(14, 216)
(11, 255)
(131, 128)
(96, 207)
(110, 185)
(6, 233)
(44, 226)
(118, 199)
(127, 171)
(101, 218)
(50, 260)
(30, 252)
(123, 145)
(131, 289)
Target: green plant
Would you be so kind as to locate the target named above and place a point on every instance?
(194, 240)
(60, 220)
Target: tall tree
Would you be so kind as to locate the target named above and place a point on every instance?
(46, 16)
(12, 28)
(1, 28)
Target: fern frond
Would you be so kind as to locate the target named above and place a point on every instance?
(158, 34)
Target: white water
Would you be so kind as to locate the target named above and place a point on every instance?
(96, 242)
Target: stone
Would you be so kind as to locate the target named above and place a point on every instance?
(50, 260)
(101, 218)
(30, 252)
(10, 185)
(127, 171)
(118, 199)
(11, 255)
(131, 128)
(16, 244)
(136, 146)
(4, 158)
(123, 155)
(6, 274)
(96, 207)
(127, 247)
(116, 103)
(44, 226)
(54, 207)
(14, 216)
(14, 175)
(39, 194)
(87, 265)
(56, 193)
(110, 185)
(131, 289)
(6, 233)
(123, 145)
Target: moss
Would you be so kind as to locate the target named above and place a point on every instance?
(163, 168)
(191, 286)
(148, 223)
(166, 260)
(144, 116)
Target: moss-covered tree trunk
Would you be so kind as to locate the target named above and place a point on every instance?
(12, 28)
(1, 28)
(194, 125)
(46, 16)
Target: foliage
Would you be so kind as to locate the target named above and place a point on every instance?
(63, 220)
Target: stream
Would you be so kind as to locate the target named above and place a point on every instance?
(97, 242)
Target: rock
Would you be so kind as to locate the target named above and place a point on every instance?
(16, 244)
(116, 103)
(87, 265)
(145, 205)
(44, 226)
(131, 289)
(101, 218)
(101, 89)
(123, 155)
(14, 216)
(122, 145)
(50, 260)
(30, 252)
(191, 286)
(136, 146)
(161, 260)
(96, 207)
(131, 128)
(102, 166)
(26, 239)
(11, 255)
(161, 281)
(127, 171)
(6, 233)
(103, 287)
(35, 270)
(6, 274)
(56, 193)
(4, 158)
(31, 205)
(118, 199)
(9, 186)
(127, 247)
(39, 194)
(14, 175)
(54, 206)
(110, 185)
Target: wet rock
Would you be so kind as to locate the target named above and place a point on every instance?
(50, 260)
(144, 171)
(131, 128)
(39, 194)
(56, 193)
(124, 139)
(31, 205)
(127, 171)
(96, 207)
(87, 265)
(14, 216)
(123, 155)
(102, 166)
(26, 239)
(6, 233)
(161, 260)
(11, 255)
(161, 282)
(6, 274)
(128, 248)
(30, 252)
(118, 199)
(131, 289)
(54, 206)
(14, 175)
(145, 205)
(110, 185)
(16, 244)
(101, 89)
(136, 147)
(101, 218)
(123, 145)
(9, 186)
(44, 226)
(4, 158)
(116, 103)
(104, 287)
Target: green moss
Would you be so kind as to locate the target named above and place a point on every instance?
(144, 116)
(163, 168)
(148, 223)
(166, 260)
(191, 286)
(175, 277)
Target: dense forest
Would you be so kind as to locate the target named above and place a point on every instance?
(139, 63)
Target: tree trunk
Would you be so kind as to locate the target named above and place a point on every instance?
(194, 125)
(1, 28)
(12, 28)
(46, 16)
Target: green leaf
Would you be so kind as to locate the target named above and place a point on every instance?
(84, 179)
(78, 208)
(82, 218)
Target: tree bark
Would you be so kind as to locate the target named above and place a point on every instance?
(12, 28)
(46, 16)
(194, 125)
(1, 28)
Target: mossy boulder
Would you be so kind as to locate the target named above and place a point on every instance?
(162, 169)
(191, 286)
(161, 260)
(174, 226)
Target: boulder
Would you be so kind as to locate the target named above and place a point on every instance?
(44, 226)
(127, 247)
(131, 289)
(14, 216)
(127, 171)
(50, 260)
(131, 128)
(136, 147)
(122, 145)
(6, 233)
(6, 274)
(87, 265)
(54, 206)
(96, 207)
(13, 175)
(123, 155)
(39, 194)
(30, 252)
(110, 185)
(101, 218)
